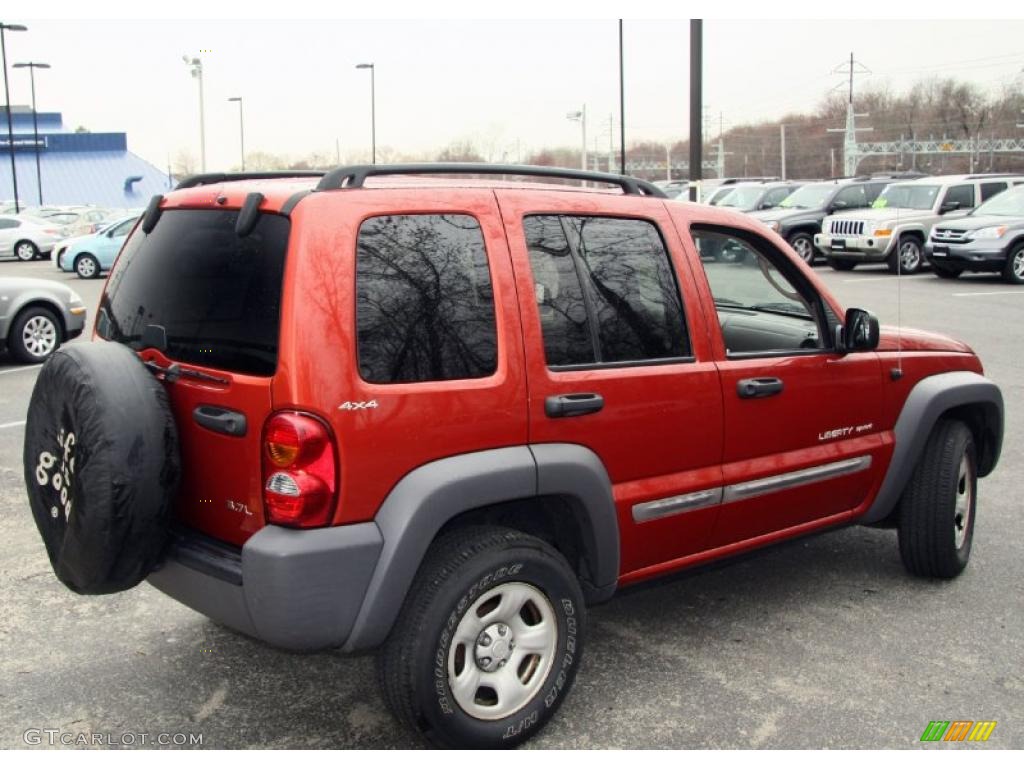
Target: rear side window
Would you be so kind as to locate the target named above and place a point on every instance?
(605, 291)
(424, 300)
(216, 295)
(852, 197)
(991, 188)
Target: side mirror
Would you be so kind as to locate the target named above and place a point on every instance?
(859, 333)
(950, 206)
(838, 205)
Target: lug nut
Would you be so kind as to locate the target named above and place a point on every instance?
(486, 661)
(501, 664)
(502, 629)
(484, 640)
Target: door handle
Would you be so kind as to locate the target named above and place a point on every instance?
(579, 404)
(220, 420)
(760, 387)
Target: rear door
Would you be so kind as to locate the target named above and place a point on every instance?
(195, 294)
(802, 422)
(609, 324)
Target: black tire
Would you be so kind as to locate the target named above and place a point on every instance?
(26, 250)
(803, 244)
(907, 258)
(101, 466)
(841, 265)
(35, 335)
(414, 662)
(929, 520)
(946, 273)
(1013, 272)
(87, 266)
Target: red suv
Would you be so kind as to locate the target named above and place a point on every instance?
(442, 415)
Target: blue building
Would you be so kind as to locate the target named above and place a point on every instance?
(77, 168)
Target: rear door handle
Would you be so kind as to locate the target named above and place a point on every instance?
(579, 404)
(220, 420)
(760, 387)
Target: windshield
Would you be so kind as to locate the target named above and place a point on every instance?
(216, 296)
(743, 198)
(811, 196)
(719, 194)
(916, 196)
(1009, 203)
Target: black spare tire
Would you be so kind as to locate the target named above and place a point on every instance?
(101, 466)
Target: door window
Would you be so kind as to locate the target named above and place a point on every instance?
(605, 291)
(763, 307)
(851, 197)
(963, 194)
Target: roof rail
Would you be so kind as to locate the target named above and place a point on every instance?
(354, 176)
(202, 179)
(991, 175)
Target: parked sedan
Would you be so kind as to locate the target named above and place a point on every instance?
(990, 239)
(27, 237)
(37, 316)
(91, 255)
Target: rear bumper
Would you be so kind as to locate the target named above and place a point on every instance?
(298, 590)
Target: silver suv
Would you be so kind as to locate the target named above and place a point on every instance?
(896, 227)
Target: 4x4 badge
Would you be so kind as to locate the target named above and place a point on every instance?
(361, 405)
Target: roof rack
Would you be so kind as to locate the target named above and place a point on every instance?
(202, 179)
(354, 176)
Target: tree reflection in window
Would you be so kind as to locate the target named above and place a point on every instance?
(425, 305)
(619, 288)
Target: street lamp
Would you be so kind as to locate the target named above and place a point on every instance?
(7, 100)
(241, 126)
(581, 115)
(32, 67)
(197, 72)
(373, 111)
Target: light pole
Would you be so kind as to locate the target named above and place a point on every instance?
(32, 67)
(7, 100)
(241, 126)
(197, 72)
(373, 110)
(581, 115)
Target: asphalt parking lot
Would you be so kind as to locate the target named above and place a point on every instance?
(824, 643)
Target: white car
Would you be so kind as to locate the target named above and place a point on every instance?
(26, 237)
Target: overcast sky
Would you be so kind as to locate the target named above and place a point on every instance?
(494, 82)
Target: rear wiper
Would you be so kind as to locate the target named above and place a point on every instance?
(174, 371)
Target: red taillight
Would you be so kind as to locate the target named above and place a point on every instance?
(299, 471)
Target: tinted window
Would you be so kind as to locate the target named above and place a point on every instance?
(990, 188)
(760, 310)
(425, 306)
(851, 197)
(963, 194)
(8, 223)
(217, 296)
(615, 289)
(775, 196)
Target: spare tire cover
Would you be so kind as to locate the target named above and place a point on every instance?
(101, 466)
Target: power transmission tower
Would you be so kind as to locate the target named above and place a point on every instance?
(850, 156)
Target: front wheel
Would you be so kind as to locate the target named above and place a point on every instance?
(26, 251)
(936, 511)
(87, 267)
(488, 642)
(803, 244)
(907, 257)
(1013, 272)
(35, 335)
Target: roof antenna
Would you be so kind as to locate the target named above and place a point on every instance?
(897, 373)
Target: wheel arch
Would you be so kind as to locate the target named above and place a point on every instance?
(964, 395)
(558, 492)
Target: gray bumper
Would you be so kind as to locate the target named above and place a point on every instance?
(298, 590)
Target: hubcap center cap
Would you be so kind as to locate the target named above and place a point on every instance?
(494, 646)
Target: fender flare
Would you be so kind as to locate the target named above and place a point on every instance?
(435, 493)
(927, 401)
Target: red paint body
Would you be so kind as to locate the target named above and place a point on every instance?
(665, 430)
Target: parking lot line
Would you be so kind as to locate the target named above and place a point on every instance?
(991, 293)
(12, 424)
(22, 368)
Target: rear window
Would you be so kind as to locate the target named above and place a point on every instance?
(216, 295)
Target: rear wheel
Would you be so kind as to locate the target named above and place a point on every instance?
(87, 267)
(1013, 272)
(488, 642)
(946, 273)
(841, 265)
(803, 244)
(26, 250)
(907, 257)
(936, 514)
